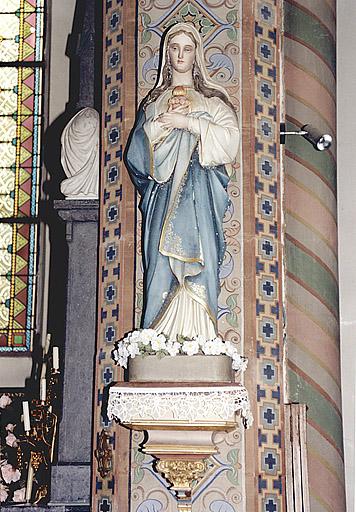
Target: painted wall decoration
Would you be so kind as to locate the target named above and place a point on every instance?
(21, 59)
(269, 347)
(236, 36)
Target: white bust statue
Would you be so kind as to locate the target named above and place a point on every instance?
(80, 155)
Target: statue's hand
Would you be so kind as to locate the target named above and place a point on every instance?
(171, 120)
(180, 109)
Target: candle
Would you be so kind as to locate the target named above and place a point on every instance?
(29, 483)
(44, 370)
(43, 385)
(47, 344)
(56, 358)
(26, 416)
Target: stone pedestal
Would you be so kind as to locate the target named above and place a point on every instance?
(71, 476)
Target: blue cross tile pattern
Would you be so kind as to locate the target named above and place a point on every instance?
(266, 128)
(267, 244)
(114, 96)
(268, 288)
(267, 329)
(110, 228)
(114, 58)
(268, 371)
(266, 12)
(115, 20)
(266, 207)
(107, 375)
(104, 505)
(267, 248)
(269, 413)
(266, 94)
(110, 333)
(271, 503)
(266, 167)
(270, 461)
(114, 135)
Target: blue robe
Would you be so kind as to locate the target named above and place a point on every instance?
(181, 220)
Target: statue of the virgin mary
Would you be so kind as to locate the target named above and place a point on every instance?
(179, 157)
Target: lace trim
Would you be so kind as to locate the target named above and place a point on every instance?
(185, 404)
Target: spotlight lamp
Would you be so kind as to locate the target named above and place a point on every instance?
(319, 140)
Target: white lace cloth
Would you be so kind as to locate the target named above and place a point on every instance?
(191, 404)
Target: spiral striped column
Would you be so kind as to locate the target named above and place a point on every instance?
(312, 316)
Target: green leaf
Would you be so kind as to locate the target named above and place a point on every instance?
(146, 20)
(232, 319)
(139, 457)
(146, 36)
(233, 476)
(193, 10)
(233, 177)
(205, 22)
(233, 456)
(138, 475)
(232, 301)
(231, 16)
(139, 300)
(232, 34)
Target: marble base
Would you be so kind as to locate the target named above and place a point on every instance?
(73, 482)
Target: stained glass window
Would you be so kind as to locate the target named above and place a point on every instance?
(21, 63)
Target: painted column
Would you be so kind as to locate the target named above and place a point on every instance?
(311, 244)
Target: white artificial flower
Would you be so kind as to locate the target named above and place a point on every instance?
(208, 348)
(239, 363)
(159, 343)
(173, 348)
(114, 355)
(134, 337)
(218, 347)
(201, 340)
(190, 347)
(147, 335)
(133, 349)
(121, 355)
(230, 350)
(122, 361)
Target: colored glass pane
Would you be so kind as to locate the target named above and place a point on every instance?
(21, 31)
(21, 54)
(20, 107)
(17, 279)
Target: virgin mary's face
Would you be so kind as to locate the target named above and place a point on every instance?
(181, 52)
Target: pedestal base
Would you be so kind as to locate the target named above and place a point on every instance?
(180, 422)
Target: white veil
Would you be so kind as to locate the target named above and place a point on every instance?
(199, 55)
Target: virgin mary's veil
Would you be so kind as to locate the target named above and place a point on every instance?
(188, 28)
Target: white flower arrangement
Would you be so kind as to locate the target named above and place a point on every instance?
(147, 342)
